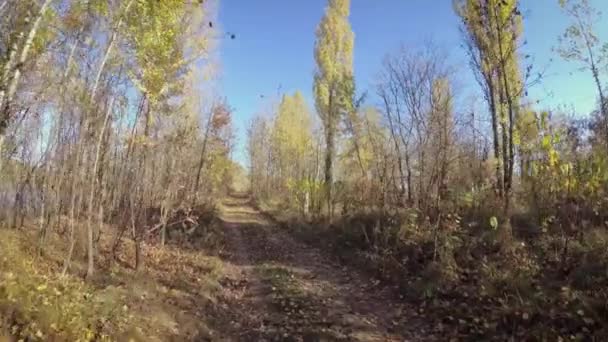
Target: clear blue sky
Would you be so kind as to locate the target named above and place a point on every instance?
(275, 39)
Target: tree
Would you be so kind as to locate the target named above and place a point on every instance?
(417, 104)
(333, 81)
(365, 160)
(280, 146)
(291, 138)
(219, 119)
(18, 47)
(441, 131)
(579, 43)
(258, 134)
(492, 30)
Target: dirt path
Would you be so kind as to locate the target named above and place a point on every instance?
(279, 289)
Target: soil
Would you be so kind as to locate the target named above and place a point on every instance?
(279, 289)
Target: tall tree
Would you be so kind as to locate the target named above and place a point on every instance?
(258, 133)
(18, 44)
(492, 31)
(333, 83)
(416, 95)
(579, 43)
(292, 135)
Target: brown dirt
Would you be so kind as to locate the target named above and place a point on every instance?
(278, 289)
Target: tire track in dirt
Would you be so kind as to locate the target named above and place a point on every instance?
(279, 289)
(243, 295)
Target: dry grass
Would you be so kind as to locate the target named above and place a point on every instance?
(470, 282)
(166, 299)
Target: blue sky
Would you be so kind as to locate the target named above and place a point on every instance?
(273, 49)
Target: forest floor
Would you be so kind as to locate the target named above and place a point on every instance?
(246, 277)
(280, 289)
(257, 284)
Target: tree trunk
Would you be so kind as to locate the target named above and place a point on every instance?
(329, 155)
(495, 135)
(2, 138)
(330, 123)
(77, 166)
(603, 101)
(92, 187)
(201, 162)
(109, 48)
(408, 167)
(596, 78)
(397, 150)
(60, 176)
(508, 146)
(135, 237)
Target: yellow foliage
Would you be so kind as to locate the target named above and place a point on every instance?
(291, 134)
(49, 307)
(334, 57)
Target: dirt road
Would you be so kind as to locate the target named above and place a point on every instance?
(279, 289)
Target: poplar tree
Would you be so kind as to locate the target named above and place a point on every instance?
(492, 31)
(333, 81)
(292, 133)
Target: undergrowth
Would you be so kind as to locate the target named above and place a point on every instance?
(472, 281)
(38, 305)
(163, 301)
